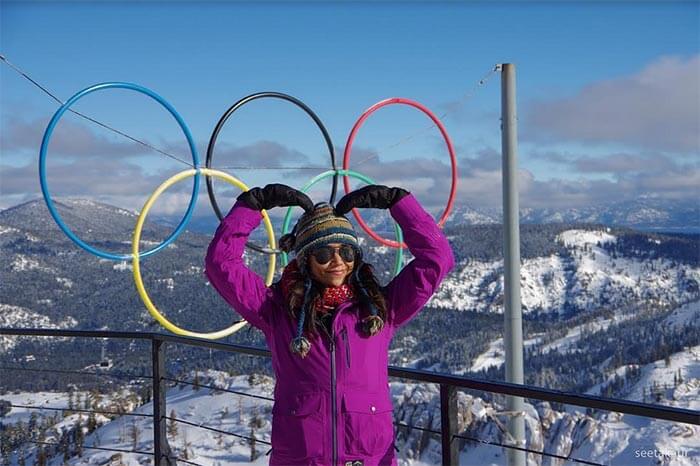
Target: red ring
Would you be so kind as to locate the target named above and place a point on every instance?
(346, 163)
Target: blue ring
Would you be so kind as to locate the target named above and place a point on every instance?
(45, 188)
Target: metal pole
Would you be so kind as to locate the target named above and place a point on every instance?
(511, 261)
(448, 423)
(161, 448)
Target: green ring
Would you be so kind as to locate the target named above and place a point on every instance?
(398, 262)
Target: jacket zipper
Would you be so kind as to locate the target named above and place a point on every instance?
(333, 396)
(347, 348)
(335, 408)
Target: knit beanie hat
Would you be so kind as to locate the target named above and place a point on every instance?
(317, 228)
(314, 229)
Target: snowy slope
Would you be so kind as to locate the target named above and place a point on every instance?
(586, 278)
(19, 317)
(611, 439)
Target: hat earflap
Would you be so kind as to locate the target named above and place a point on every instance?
(300, 344)
(372, 324)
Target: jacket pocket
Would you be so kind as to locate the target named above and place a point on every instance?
(347, 347)
(369, 430)
(298, 430)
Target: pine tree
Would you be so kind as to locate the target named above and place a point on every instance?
(186, 445)
(32, 425)
(91, 423)
(95, 399)
(79, 437)
(41, 457)
(64, 446)
(71, 404)
(253, 453)
(172, 425)
(134, 434)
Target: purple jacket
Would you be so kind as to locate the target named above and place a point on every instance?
(334, 406)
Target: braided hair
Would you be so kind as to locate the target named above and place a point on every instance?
(315, 229)
(303, 293)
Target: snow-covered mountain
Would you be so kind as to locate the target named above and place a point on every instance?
(644, 213)
(47, 274)
(584, 275)
(567, 270)
(596, 276)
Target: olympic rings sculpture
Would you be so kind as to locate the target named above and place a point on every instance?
(450, 148)
(210, 173)
(225, 117)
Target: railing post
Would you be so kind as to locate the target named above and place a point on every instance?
(448, 424)
(161, 449)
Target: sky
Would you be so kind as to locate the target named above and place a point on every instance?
(608, 97)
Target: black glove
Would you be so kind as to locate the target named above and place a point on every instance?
(373, 196)
(275, 195)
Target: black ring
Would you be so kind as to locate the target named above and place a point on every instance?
(220, 124)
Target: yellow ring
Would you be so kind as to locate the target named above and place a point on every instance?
(135, 253)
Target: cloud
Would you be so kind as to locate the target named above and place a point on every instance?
(630, 176)
(124, 182)
(69, 138)
(258, 154)
(480, 179)
(615, 163)
(656, 108)
(113, 181)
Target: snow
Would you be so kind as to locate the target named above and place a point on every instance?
(191, 270)
(122, 266)
(215, 409)
(610, 439)
(20, 317)
(495, 354)
(169, 283)
(670, 443)
(55, 400)
(22, 263)
(67, 282)
(565, 343)
(585, 279)
(687, 314)
(582, 237)
(5, 229)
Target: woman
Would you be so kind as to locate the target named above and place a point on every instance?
(327, 321)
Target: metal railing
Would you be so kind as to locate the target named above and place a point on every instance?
(449, 384)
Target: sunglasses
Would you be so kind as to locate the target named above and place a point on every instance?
(324, 254)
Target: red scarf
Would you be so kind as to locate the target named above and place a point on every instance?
(332, 297)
